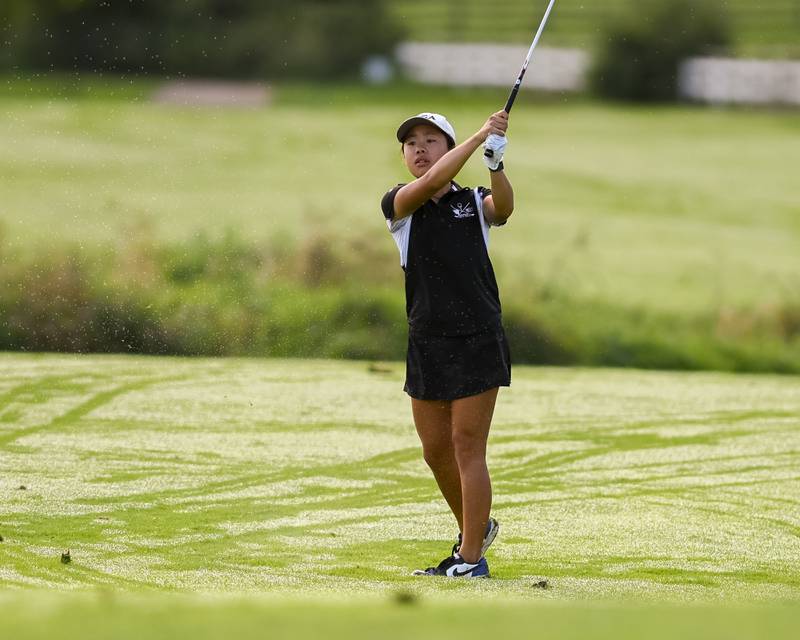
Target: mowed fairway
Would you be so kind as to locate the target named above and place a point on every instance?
(304, 478)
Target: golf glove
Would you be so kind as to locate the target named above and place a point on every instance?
(497, 145)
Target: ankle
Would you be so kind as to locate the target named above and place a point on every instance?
(469, 558)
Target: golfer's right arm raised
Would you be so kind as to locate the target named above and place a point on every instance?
(413, 195)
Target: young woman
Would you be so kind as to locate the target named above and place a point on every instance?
(457, 351)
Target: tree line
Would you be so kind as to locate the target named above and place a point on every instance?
(216, 38)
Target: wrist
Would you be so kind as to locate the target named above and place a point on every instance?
(500, 168)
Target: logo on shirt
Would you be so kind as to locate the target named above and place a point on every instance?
(461, 210)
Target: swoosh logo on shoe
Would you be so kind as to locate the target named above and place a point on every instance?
(460, 574)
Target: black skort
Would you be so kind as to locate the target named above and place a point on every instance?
(451, 367)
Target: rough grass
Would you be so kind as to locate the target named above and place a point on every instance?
(657, 238)
(680, 210)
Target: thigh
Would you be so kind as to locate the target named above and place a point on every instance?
(472, 416)
(432, 419)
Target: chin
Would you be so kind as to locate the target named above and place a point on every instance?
(418, 172)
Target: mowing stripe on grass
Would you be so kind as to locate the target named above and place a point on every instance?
(305, 477)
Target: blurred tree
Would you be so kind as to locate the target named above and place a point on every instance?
(643, 47)
(231, 38)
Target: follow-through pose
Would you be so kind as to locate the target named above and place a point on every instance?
(457, 351)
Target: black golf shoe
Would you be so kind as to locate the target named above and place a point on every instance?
(456, 567)
(492, 529)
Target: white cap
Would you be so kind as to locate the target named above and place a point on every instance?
(435, 119)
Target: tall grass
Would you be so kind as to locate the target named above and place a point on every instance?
(325, 297)
(665, 237)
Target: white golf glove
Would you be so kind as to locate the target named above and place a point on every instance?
(497, 145)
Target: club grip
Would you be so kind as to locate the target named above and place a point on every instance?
(489, 153)
(512, 96)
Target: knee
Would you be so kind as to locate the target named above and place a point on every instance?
(468, 446)
(437, 453)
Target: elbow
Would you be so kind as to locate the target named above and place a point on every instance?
(501, 215)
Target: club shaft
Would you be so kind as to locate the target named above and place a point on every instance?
(518, 83)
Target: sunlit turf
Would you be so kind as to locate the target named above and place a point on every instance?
(304, 478)
(105, 615)
(677, 209)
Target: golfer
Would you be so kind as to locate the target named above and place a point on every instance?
(458, 356)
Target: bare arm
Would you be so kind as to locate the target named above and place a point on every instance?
(498, 206)
(413, 195)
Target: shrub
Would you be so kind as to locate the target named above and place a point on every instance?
(218, 38)
(643, 48)
(227, 297)
(531, 340)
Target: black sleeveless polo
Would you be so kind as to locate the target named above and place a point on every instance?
(450, 284)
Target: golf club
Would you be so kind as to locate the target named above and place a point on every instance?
(513, 96)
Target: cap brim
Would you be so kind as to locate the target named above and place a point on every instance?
(408, 125)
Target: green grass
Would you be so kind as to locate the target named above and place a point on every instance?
(304, 479)
(209, 497)
(672, 209)
(190, 491)
(769, 28)
(168, 618)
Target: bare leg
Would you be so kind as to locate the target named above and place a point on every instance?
(471, 419)
(433, 421)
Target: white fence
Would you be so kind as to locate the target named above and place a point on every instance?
(729, 81)
(711, 80)
(493, 65)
